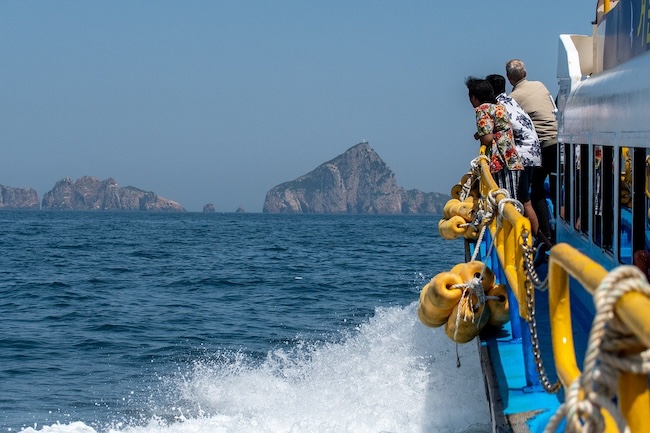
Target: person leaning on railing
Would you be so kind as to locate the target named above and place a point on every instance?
(495, 133)
(537, 101)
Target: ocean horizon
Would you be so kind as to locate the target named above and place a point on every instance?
(227, 322)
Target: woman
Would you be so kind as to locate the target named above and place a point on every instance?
(495, 133)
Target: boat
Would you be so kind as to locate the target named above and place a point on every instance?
(574, 354)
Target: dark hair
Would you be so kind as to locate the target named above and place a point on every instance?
(480, 89)
(498, 83)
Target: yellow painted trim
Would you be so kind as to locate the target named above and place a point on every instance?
(632, 309)
(566, 262)
(509, 238)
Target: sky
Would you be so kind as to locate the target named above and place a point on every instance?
(219, 101)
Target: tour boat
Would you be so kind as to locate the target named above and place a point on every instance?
(564, 342)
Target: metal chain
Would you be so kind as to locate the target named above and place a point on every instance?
(532, 281)
(529, 264)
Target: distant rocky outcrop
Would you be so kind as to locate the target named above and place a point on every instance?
(91, 193)
(417, 202)
(356, 182)
(240, 210)
(18, 198)
(209, 208)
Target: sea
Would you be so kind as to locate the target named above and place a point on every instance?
(237, 322)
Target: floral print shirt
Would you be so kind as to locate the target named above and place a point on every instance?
(523, 131)
(494, 119)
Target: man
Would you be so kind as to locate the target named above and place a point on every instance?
(536, 101)
(526, 142)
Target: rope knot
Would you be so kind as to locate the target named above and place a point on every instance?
(605, 358)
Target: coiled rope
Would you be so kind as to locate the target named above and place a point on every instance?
(605, 359)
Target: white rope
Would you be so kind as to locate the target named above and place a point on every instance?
(605, 359)
(472, 288)
(475, 163)
(477, 246)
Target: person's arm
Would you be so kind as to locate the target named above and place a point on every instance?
(486, 139)
(485, 126)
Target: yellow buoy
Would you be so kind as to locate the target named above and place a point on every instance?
(452, 228)
(499, 308)
(441, 291)
(456, 269)
(463, 209)
(475, 269)
(429, 314)
(466, 321)
(471, 234)
(456, 190)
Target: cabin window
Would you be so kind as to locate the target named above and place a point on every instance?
(642, 252)
(581, 189)
(603, 188)
(646, 204)
(626, 165)
(639, 201)
(565, 175)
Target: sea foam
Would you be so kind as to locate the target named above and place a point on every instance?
(391, 374)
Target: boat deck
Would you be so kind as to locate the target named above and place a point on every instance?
(516, 407)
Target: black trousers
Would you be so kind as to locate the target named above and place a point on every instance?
(537, 192)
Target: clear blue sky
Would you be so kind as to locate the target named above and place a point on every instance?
(219, 101)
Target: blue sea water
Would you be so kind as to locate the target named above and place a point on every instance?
(197, 322)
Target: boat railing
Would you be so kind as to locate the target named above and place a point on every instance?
(511, 234)
(632, 309)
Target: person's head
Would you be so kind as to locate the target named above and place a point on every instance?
(498, 83)
(515, 71)
(480, 91)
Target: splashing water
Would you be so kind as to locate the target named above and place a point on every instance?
(392, 374)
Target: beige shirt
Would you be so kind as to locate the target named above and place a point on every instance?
(536, 100)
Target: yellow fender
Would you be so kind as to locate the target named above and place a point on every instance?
(456, 190)
(441, 293)
(471, 234)
(429, 314)
(499, 309)
(470, 270)
(456, 269)
(463, 209)
(468, 328)
(451, 228)
(474, 192)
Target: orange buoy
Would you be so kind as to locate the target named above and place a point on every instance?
(499, 308)
(452, 228)
(466, 321)
(441, 291)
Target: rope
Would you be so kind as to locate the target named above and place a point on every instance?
(605, 359)
(475, 163)
(472, 288)
(477, 246)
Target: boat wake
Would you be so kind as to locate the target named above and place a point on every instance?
(391, 374)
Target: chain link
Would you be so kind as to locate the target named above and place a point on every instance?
(532, 282)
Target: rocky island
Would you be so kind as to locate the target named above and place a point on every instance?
(18, 198)
(355, 182)
(91, 193)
